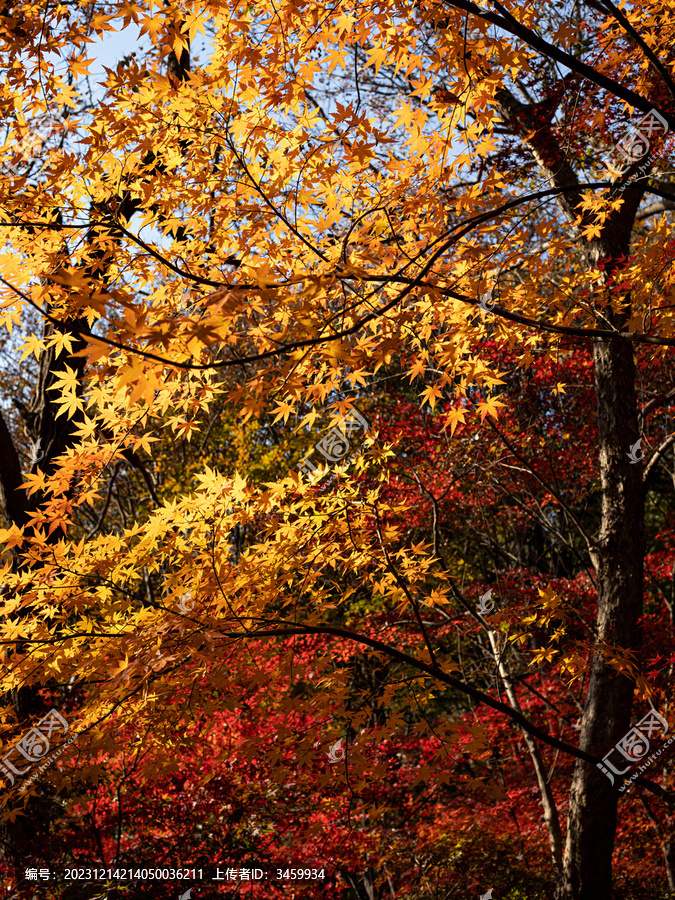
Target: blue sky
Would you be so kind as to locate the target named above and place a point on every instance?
(113, 46)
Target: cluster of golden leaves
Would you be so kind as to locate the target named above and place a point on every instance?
(315, 242)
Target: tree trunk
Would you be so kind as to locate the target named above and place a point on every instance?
(619, 550)
(547, 801)
(667, 846)
(591, 825)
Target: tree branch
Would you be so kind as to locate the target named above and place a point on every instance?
(442, 676)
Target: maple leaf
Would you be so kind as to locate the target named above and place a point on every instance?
(592, 231)
(11, 537)
(152, 26)
(61, 341)
(377, 57)
(431, 394)
(283, 410)
(34, 345)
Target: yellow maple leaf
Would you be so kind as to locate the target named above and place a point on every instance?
(431, 394)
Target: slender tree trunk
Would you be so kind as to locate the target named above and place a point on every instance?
(667, 846)
(591, 825)
(668, 849)
(547, 800)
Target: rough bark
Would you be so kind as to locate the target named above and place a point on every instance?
(17, 839)
(13, 500)
(591, 825)
(618, 552)
(56, 435)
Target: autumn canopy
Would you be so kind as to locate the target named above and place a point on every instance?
(337, 448)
